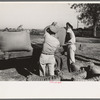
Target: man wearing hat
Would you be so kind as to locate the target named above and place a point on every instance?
(70, 47)
(67, 40)
(50, 45)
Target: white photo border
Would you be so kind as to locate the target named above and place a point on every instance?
(47, 90)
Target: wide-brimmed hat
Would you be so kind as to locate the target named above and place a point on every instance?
(53, 29)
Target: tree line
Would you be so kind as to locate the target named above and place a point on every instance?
(89, 14)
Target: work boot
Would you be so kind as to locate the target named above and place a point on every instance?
(57, 72)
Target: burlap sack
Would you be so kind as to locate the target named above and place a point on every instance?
(15, 41)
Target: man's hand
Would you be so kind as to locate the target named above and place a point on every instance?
(59, 50)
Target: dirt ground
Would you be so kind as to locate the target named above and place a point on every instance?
(88, 49)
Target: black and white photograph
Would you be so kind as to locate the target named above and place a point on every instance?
(49, 49)
(55, 41)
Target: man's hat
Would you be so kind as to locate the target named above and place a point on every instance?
(53, 29)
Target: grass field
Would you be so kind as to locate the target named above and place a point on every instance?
(88, 49)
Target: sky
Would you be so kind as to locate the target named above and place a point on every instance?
(36, 15)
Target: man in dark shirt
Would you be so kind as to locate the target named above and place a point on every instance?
(67, 40)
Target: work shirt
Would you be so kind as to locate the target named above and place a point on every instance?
(72, 38)
(50, 45)
(66, 37)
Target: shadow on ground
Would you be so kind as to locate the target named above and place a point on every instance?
(26, 65)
